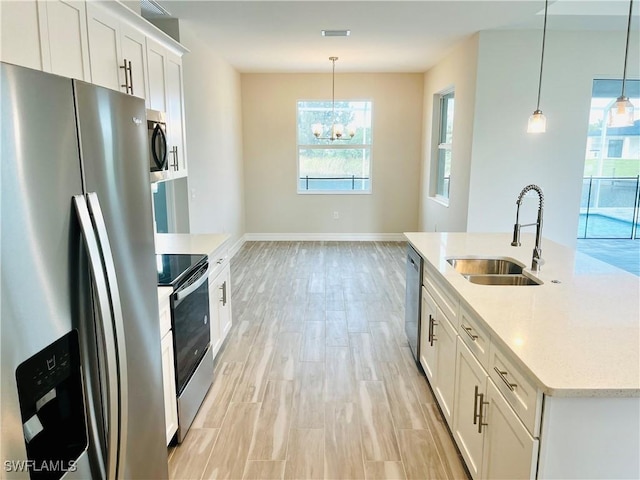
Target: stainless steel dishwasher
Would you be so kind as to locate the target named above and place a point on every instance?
(413, 302)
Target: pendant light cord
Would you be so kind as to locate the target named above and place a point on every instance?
(626, 50)
(333, 93)
(544, 34)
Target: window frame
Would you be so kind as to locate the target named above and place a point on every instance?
(336, 145)
(440, 145)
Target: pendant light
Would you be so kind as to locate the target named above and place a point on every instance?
(621, 114)
(337, 129)
(537, 120)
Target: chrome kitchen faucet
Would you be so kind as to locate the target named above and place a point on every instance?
(536, 261)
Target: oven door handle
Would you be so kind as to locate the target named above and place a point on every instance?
(180, 295)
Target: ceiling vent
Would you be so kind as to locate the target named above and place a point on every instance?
(151, 8)
(336, 33)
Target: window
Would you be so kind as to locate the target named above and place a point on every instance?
(340, 166)
(443, 152)
(614, 148)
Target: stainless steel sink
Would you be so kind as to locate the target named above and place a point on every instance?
(486, 266)
(513, 279)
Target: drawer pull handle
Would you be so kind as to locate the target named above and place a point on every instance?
(503, 377)
(468, 331)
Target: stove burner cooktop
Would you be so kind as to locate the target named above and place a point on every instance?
(172, 268)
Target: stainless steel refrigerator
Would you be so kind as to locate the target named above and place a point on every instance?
(81, 371)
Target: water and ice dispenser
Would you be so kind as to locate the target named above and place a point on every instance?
(52, 408)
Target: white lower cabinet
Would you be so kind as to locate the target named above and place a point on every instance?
(168, 368)
(219, 304)
(492, 440)
(169, 383)
(510, 452)
(470, 388)
(438, 352)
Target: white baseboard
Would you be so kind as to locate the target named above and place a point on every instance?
(327, 237)
(235, 248)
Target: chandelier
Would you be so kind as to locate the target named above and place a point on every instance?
(337, 129)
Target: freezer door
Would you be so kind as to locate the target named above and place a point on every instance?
(45, 292)
(114, 152)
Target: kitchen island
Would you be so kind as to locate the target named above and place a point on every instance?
(559, 361)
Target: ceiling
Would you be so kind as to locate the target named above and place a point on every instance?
(386, 36)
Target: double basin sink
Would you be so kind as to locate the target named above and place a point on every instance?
(492, 271)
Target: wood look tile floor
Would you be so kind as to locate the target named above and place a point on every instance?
(316, 379)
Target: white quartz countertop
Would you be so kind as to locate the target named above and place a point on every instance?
(578, 337)
(203, 243)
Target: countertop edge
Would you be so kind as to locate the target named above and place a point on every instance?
(206, 244)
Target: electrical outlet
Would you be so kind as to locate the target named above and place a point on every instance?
(336, 215)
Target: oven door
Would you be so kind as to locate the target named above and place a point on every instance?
(190, 315)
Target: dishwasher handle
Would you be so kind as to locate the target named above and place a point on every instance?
(413, 263)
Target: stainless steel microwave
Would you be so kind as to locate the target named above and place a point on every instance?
(157, 135)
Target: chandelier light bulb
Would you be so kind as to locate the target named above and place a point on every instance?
(316, 129)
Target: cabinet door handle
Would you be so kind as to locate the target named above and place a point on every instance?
(128, 76)
(432, 336)
(481, 402)
(503, 377)
(468, 331)
(475, 406)
(223, 288)
(174, 152)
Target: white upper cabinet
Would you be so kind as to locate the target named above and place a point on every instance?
(134, 50)
(64, 34)
(104, 43)
(20, 33)
(118, 52)
(166, 95)
(157, 62)
(46, 35)
(175, 114)
(104, 47)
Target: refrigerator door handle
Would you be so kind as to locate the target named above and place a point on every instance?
(104, 305)
(118, 320)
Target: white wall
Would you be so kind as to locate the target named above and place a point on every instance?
(457, 70)
(270, 155)
(505, 158)
(214, 139)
